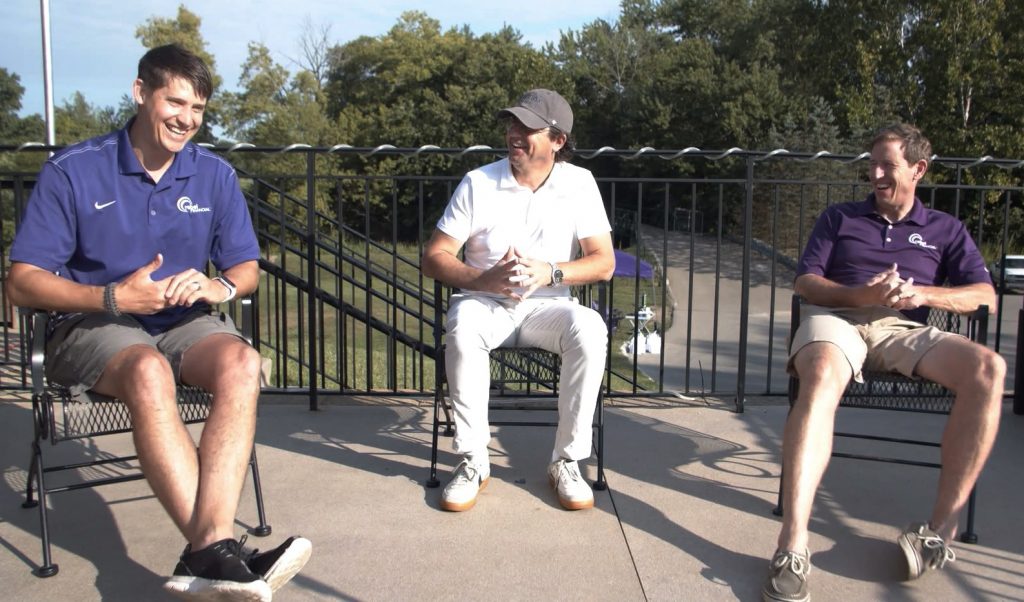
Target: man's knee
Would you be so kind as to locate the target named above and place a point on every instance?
(140, 376)
(823, 372)
(239, 360)
(141, 364)
(983, 370)
(590, 330)
(822, 361)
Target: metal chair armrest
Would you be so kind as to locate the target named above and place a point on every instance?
(247, 318)
(36, 320)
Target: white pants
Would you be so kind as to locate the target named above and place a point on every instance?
(477, 324)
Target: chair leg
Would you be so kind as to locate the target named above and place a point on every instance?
(600, 484)
(449, 429)
(777, 510)
(33, 466)
(969, 536)
(48, 568)
(432, 481)
(263, 529)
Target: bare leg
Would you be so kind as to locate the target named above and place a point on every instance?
(229, 369)
(199, 491)
(976, 375)
(807, 440)
(141, 377)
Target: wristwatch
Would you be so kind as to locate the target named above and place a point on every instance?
(232, 289)
(556, 275)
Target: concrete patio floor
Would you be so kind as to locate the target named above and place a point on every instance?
(687, 515)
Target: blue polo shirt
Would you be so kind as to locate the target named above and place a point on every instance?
(851, 243)
(95, 217)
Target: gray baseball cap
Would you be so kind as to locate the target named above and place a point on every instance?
(539, 109)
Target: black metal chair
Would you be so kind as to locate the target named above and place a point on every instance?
(522, 378)
(895, 392)
(59, 416)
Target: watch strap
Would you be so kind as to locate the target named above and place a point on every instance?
(232, 289)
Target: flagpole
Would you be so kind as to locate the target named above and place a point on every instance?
(44, 11)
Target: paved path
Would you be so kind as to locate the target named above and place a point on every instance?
(687, 517)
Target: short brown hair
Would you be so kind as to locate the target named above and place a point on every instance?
(162, 63)
(915, 146)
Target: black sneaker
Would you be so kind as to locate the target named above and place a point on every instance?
(925, 550)
(217, 573)
(279, 565)
(787, 578)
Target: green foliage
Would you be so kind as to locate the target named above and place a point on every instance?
(77, 120)
(805, 75)
(418, 85)
(17, 130)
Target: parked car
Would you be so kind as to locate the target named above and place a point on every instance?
(1014, 272)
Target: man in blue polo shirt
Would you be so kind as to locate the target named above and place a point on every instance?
(869, 273)
(116, 239)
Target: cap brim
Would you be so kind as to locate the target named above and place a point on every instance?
(525, 116)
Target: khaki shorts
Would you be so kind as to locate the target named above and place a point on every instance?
(875, 338)
(81, 346)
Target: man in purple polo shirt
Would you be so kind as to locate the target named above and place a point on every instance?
(869, 273)
(115, 240)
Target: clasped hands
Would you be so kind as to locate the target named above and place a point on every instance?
(515, 276)
(887, 288)
(140, 294)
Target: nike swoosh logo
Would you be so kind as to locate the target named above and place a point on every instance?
(99, 206)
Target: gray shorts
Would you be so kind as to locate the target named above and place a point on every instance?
(81, 346)
(874, 338)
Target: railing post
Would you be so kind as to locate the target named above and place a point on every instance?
(311, 279)
(748, 236)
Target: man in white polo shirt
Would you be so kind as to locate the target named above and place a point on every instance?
(532, 225)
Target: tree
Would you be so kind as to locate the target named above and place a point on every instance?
(416, 85)
(968, 60)
(77, 120)
(17, 130)
(315, 45)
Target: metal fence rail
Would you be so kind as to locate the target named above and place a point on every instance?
(343, 307)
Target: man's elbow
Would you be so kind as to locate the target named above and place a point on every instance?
(428, 267)
(14, 289)
(13, 294)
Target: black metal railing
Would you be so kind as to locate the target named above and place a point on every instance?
(343, 307)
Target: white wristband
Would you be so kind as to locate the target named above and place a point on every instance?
(232, 290)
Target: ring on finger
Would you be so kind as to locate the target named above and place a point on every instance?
(196, 285)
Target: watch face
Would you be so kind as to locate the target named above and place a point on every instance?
(557, 277)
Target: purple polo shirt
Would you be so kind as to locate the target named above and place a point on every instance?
(95, 217)
(851, 243)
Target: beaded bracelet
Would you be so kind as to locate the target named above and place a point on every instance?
(109, 302)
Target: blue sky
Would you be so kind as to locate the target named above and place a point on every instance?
(95, 51)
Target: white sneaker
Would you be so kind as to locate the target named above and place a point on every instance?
(573, 492)
(460, 493)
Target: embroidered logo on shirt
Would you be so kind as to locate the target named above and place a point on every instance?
(185, 205)
(917, 239)
(99, 205)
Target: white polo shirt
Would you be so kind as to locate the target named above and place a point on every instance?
(490, 211)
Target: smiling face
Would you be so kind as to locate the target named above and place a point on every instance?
(894, 179)
(531, 152)
(168, 117)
